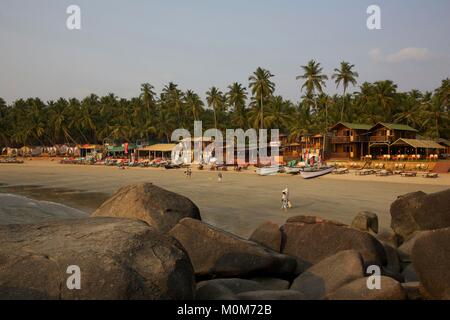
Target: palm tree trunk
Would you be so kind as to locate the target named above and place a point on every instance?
(262, 112)
(343, 104)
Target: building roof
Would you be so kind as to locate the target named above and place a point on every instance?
(443, 142)
(160, 147)
(417, 143)
(354, 126)
(395, 126)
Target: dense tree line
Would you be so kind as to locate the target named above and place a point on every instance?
(153, 117)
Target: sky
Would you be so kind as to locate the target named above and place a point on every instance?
(202, 43)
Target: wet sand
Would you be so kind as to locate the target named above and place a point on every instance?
(238, 204)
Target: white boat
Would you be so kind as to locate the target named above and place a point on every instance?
(267, 171)
(292, 170)
(309, 173)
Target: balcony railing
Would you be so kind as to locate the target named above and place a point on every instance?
(382, 139)
(349, 139)
(340, 155)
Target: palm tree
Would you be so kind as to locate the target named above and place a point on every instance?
(384, 95)
(193, 103)
(344, 75)
(314, 79)
(262, 88)
(215, 99)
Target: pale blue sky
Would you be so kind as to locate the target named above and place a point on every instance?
(201, 43)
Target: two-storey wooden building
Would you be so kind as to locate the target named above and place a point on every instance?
(383, 135)
(349, 140)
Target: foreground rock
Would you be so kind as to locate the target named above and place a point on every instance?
(272, 283)
(420, 211)
(329, 275)
(225, 288)
(271, 295)
(118, 259)
(366, 221)
(158, 207)
(311, 240)
(269, 235)
(357, 290)
(431, 260)
(216, 253)
(405, 250)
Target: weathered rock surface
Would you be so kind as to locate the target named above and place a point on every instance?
(225, 288)
(271, 295)
(158, 207)
(329, 274)
(217, 253)
(312, 239)
(392, 257)
(412, 290)
(405, 250)
(409, 274)
(118, 259)
(388, 236)
(272, 283)
(431, 260)
(358, 290)
(268, 234)
(366, 221)
(420, 211)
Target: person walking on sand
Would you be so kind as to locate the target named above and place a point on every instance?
(285, 202)
(219, 177)
(188, 173)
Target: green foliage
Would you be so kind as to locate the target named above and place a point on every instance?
(97, 119)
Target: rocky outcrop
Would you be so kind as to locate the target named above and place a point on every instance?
(158, 207)
(366, 221)
(329, 274)
(420, 211)
(312, 239)
(358, 290)
(431, 260)
(268, 234)
(117, 259)
(216, 253)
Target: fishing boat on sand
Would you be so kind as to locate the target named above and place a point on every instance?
(267, 171)
(314, 172)
(292, 170)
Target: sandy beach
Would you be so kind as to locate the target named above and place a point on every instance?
(238, 204)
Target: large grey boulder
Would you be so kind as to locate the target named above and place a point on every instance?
(358, 290)
(216, 253)
(118, 259)
(420, 211)
(329, 274)
(431, 260)
(158, 207)
(311, 239)
(269, 235)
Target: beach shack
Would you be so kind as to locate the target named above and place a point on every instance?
(416, 149)
(445, 153)
(349, 140)
(125, 150)
(159, 150)
(90, 150)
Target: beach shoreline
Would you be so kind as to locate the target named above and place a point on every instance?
(238, 205)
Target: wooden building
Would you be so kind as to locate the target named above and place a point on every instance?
(383, 135)
(349, 140)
